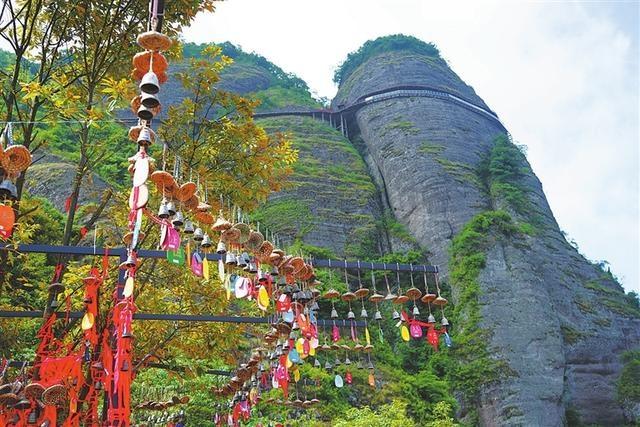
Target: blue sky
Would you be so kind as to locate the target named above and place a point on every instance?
(563, 77)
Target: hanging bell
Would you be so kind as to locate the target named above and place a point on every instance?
(252, 267)
(363, 313)
(377, 315)
(314, 306)
(337, 362)
(130, 262)
(198, 235)
(171, 207)
(149, 100)
(126, 333)
(262, 276)
(351, 315)
(431, 319)
(145, 113)
(188, 227)
(222, 248)
(444, 321)
(206, 241)
(230, 259)
(347, 361)
(150, 83)
(125, 366)
(145, 138)
(416, 312)
(316, 364)
(54, 304)
(178, 220)
(163, 211)
(395, 315)
(370, 366)
(8, 190)
(274, 272)
(334, 313)
(243, 260)
(328, 366)
(33, 417)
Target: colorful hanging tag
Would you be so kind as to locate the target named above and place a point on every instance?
(335, 334)
(337, 381)
(416, 330)
(176, 257)
(404, 333)
(263, 298)
(221, 274)
(372, 379)
(128, 287)
(205, 268)
(349, 377)
(367, 337)
(7, 221)
(173, 239)
(196, 264)
(447, 340)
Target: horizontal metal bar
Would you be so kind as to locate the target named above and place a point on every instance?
(20, 364)
(144, 253)
(172, 317)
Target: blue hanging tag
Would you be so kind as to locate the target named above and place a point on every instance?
(447, 340)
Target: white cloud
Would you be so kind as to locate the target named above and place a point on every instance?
(562, 76)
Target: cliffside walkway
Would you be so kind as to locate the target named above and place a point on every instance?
(341, 117)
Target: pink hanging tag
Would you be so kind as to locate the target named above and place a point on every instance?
(416, 330)
(335, 334)
(196, 265)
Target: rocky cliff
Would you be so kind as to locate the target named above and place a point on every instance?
(555, 322)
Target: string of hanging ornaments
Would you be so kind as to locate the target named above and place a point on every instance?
(66, 383)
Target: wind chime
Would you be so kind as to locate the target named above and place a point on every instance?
(14, 160)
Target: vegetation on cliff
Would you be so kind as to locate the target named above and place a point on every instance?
(380, 45)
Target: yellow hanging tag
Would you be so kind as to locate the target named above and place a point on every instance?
(312, 351)
(87, 321)
(296, 375)
(128, 287)
(263, 298)
(404, 333)
(188, 254)
(205, 268)
(289, 363)
(300, 345)
(372, 380)
(367, 336)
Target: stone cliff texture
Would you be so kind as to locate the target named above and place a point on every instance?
(554, 318)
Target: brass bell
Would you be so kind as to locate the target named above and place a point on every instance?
(149, 100)
(150, 83)
(334, 313)
(416, 312)
(171, 207)
(198, 234)
(206, 241)
(364, 313)
(178, 220)
(222, 248)
(230, 259)
(163, 211)
(144, 113)
(377, 315)
(8, 190)
(351, 315)
(431, 319)
(395, 315)
(444, 321)
(188, 227)
(145, 137)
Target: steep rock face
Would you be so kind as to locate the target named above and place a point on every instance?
(332, 202)
(554, 318)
